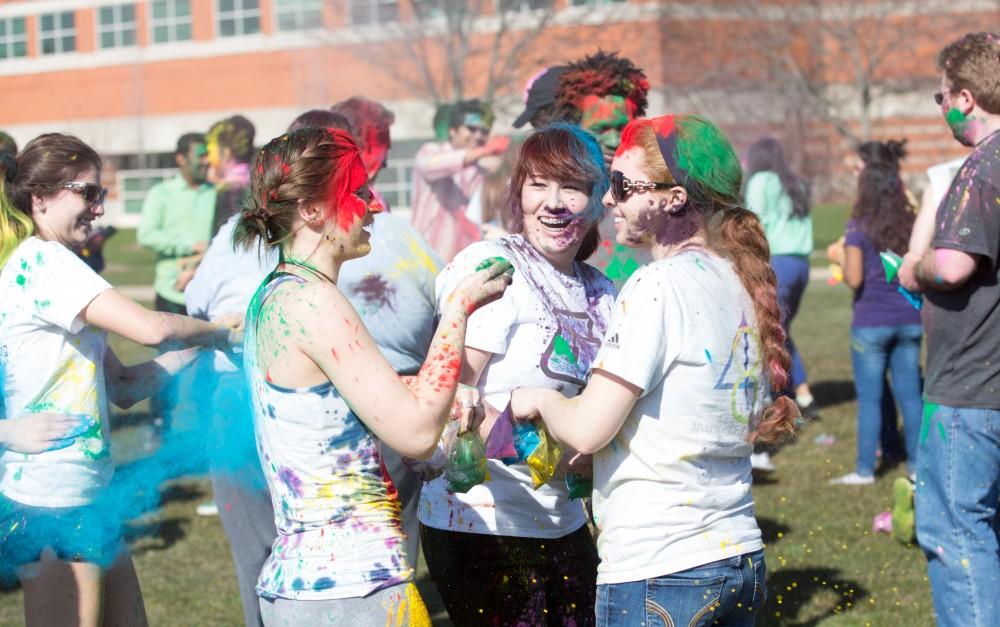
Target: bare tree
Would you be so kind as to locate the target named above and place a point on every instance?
(442, 49)
(840, 61)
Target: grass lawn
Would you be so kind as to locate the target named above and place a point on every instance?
(825, 566)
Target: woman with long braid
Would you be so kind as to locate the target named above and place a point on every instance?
(681, 386)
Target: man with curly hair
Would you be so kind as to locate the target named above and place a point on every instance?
(602, 93)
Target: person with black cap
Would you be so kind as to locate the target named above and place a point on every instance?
(540, 98)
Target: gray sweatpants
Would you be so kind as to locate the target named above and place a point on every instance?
(399, 605)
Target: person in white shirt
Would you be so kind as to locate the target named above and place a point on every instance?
(505, 552)
(679, 389)
(62, 524)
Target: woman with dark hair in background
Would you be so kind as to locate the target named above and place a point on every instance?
(780, 199)
(61, 526)
(886, 331)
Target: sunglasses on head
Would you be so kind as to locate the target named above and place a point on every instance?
(92, 194)
(622, 187)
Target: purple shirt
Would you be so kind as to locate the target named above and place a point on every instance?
(876, 303)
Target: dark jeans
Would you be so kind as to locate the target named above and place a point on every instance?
(503, 580)
(792, 272)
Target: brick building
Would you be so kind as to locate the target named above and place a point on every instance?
(130, 77)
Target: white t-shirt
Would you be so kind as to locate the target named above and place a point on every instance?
(544, 332)
(672, 489)
(53, 363)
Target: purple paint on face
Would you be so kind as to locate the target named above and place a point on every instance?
(375, 291)
(667, 228)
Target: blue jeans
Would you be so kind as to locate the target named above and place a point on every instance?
(792, 272)
(958, 484)
(873, 350)
(730, 591)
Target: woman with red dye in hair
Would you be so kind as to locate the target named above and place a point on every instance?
(324, 397)
(680, 387)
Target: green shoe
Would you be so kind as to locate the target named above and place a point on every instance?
(903, 519)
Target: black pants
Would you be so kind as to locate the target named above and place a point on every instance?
(504, 580)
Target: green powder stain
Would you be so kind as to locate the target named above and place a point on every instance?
(929, 410)
(21, 280)
(697, 262)
(17, 475)
(561, 348)
(24, 264)
(621, 266)
(955, 117)
(42, 304)
(39, 259)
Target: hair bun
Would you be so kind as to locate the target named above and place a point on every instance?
(9, 165)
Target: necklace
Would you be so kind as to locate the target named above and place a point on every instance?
(315, 271)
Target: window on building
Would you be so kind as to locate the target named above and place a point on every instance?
(523, 5)
(238, 17)
(13, 38)
(57, 32)
(170, 20)
(116, 26)
(361, 12)
(298, 14)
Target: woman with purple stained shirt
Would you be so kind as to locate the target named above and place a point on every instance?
(504, 552)
(886, 331)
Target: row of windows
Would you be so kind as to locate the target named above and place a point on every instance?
(170, 21)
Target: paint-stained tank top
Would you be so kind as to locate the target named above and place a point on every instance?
(335, 507)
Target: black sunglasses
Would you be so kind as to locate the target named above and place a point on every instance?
(622, 187)
(92, 194)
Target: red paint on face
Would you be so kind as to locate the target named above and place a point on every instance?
(348, 178)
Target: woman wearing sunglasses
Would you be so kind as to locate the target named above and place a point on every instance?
(505, 553)
(680, 386)
(60, 529)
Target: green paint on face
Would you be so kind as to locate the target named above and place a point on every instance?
(561, 348)
(605, 118)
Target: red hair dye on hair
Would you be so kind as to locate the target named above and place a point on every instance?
(348, 177)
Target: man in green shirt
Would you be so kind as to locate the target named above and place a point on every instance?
(176, 221)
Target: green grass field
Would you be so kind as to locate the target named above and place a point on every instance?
(825, 566)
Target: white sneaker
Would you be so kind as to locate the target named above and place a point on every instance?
(761, 462)
(207, 509)
(852, 478)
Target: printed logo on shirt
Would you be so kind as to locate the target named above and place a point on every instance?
(572, 348)
(612, 342)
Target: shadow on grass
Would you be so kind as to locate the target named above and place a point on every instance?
(770, 528)
(791, 590)
(831, 393)
(159, 535)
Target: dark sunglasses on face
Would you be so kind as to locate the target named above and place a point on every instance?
(92, 194)
(622, 187)
(477, 129)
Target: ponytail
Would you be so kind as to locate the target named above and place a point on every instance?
(15, 225)
(736, 234)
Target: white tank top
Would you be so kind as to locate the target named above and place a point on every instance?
(335, 508)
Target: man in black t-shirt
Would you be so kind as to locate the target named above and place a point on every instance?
(958, 461)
